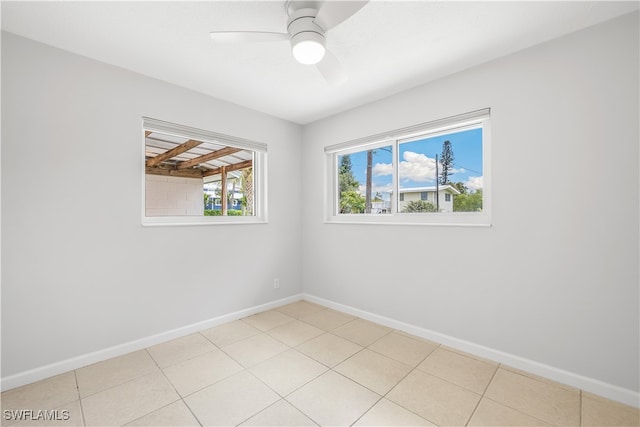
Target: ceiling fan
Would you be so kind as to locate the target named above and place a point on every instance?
(307, 25)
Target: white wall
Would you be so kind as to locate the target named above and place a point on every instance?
(555, 279)
(77, 277)
(171, 195)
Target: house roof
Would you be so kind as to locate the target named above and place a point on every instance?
(446, 187)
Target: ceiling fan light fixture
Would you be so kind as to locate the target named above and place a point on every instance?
(308, 47)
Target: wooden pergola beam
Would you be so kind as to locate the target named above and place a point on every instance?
(226, 151)
(176, 151)
(230, 168)
(170, 171)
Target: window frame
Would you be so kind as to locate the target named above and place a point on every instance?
(259, 150)
(475, 119)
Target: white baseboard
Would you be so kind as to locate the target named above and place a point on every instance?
(610, 391)
(37, 374)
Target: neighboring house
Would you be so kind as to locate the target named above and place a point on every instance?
(381, 207)
(216, 204)
(214, 198)
(428, 194)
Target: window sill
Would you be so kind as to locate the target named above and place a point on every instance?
(447, 220)
(161, 221)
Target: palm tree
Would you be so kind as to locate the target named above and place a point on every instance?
(246, 182)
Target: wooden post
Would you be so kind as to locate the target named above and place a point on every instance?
(223, 191)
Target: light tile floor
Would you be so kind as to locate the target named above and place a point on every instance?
(303, 365)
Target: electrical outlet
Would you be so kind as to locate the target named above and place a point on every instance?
(276, 283)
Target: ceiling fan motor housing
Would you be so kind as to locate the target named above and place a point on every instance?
(307, 38)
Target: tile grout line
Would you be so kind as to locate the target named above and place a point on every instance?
(221, 379)
(367, 411)
(455, 384)
(84, 420)
(520, 411)
(482, 395)
(174, 389)
(187, 359)
(329, 367)
(382, 396)
(290, 346)
(281, 397)
(313, 379)
(403, 378)
(300, 410)
(247, 369)
(119, 384)
(580, 410)
(327, 331)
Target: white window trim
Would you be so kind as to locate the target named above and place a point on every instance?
(259, 174)
(393, 138)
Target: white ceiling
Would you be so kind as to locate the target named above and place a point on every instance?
(387, 47)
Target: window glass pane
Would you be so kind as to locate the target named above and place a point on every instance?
(452, 184)
(187, 177)
(239, 194)
(365, 181)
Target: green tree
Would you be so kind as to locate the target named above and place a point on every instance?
(419, 206)
(352, 202)
(346, 180)
(206, 200)
(246, 183)
(460, 187)
(468, 202)
(446, 160)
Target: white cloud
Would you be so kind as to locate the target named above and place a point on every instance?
(474, 183)
(382, 169)
(417, 167)
(413, 167)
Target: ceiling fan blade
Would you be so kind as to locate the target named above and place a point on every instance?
(332, 70)
(247, 36)
(332, 13)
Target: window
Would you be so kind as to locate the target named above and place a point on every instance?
(433, 173)
(192, 176)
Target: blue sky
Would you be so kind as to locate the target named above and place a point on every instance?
(417, 162)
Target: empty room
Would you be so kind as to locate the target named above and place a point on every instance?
(320, 213)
